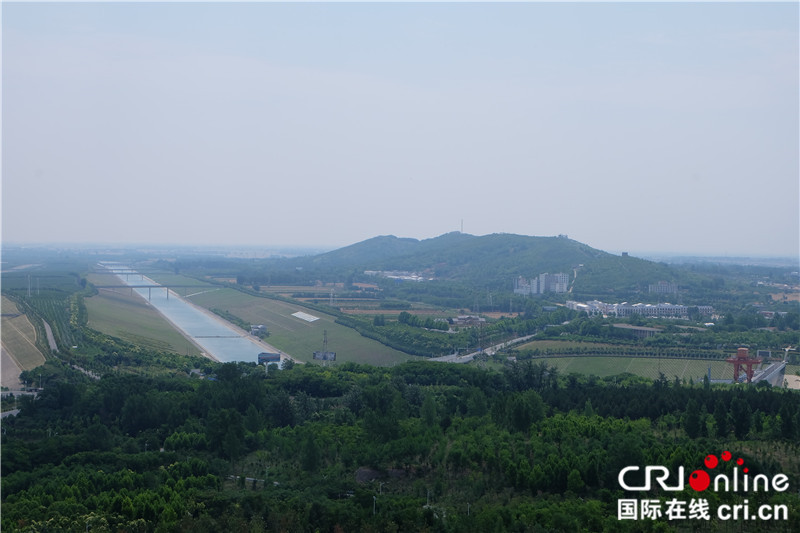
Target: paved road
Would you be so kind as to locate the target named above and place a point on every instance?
(455, 358)
(17, 393)
(51, 340)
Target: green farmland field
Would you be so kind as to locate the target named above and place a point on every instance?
(128, 317)
(559, 345)
(649, 367)
(297, 337)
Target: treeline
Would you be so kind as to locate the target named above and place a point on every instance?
(403, 337)
(613, 351)
(230, 317)
(707, 340)
(97, 354)
(418, 447)
(422, 322)
(427, 337)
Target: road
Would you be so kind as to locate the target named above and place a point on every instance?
(51, 340)
(455, 358)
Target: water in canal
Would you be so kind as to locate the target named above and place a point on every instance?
(217, 339)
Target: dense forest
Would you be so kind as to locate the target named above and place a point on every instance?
(418, 447)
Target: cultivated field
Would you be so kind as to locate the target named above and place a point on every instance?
(19, 342)
(650, 367)
(298, 337)
(560, 345)
(786, 297)
(288, 290)
(127, 316)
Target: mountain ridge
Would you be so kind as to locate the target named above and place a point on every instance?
(495, 260)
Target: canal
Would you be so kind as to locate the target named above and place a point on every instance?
(211, 333)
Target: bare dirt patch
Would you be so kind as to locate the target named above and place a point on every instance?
(19, 338)
(793, 382)
(10, 372)
(786, 296)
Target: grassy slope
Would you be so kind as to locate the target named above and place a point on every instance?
(19, 337)
(298, 337)
(130, 318)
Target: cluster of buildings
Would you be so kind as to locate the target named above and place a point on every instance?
(468, 320)
(542, 284)
(258, 330)
(662, 310)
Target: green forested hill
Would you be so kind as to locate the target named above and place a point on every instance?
(363, 253)
(494, 261)
(461, 256)
(609, 274)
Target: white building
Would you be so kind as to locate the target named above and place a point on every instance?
(543, 283)
(662, 310)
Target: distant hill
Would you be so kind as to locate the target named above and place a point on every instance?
(494, 261)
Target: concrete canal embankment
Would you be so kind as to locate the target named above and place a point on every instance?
(219, 339)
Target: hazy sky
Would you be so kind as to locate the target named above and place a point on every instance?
(669, 127)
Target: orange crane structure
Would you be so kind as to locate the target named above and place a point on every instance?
(743, 361)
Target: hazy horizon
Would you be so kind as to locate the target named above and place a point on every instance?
(265, 250)
(669, 128)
